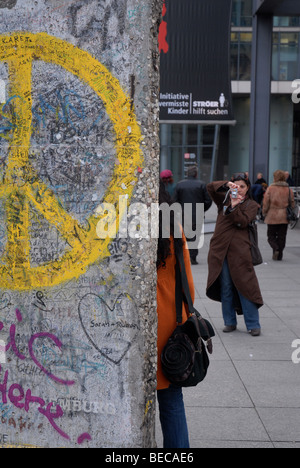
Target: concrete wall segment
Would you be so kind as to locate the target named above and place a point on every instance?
(79, 126)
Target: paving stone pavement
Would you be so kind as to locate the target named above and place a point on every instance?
(251, 396)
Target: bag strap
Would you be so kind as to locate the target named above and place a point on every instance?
(181, 270)
(178, 292)
(290, 198)
(183, 293)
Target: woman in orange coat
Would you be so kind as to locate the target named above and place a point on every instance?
(170, 398)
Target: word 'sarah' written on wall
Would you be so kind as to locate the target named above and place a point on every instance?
(78, 128)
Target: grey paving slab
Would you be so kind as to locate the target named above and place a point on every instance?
(220, 352)
(259, 351)
(274, 299)
(229, 424)
(273, 384)
(232, 444)
(282, 424)
(266, 311)
(222, 388)
(275, 330)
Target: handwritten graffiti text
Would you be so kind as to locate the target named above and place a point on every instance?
(25, 400)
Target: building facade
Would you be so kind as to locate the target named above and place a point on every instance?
(265, 67)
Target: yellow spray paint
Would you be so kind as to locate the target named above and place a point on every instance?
(22, 188)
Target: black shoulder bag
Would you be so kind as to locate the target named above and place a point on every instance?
(184, 359)
(255, 251)
(292, 213)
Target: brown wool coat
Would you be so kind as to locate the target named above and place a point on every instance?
(276, 201)
(231, 240)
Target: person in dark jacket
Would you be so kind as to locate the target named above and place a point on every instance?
(257, 193)
(232, 279)
(289, 180)
(192, 191)
(260, 179)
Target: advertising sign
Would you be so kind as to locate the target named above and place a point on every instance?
(194, 45)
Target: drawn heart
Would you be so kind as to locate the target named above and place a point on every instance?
(110, 329)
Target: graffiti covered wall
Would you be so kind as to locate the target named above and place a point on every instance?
(78, 133)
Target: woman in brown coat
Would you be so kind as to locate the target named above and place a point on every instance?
(276, 201)
(232, 279)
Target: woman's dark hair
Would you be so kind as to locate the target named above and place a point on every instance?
(163, 247)
(241, 176)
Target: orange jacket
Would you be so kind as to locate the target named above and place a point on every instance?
(166, 306)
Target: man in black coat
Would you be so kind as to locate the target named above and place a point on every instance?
(192, 191)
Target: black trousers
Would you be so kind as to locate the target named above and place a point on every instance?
(277, 236)
(196, 239)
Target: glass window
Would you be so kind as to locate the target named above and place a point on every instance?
(285, 56)
(245, 56)
(176, 135)
(242, 13)
(186, 145)
(285, 21)
(208, 136)
(192, 135)
(234, 66)
(176, 163)
(241, 50)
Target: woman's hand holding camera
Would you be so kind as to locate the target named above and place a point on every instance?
(235, 196)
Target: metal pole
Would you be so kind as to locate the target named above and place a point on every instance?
(215, 152)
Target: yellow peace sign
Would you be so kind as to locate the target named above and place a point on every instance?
(21, 187)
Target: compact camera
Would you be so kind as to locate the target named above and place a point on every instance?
(234, 193)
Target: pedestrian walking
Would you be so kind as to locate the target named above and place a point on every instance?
(170, 398)
(289, 179)
(232, 279)
(192, 191)
(260, 179)
(167, 178)
(276, 200)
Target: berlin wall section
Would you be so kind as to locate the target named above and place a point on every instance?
(78, 134)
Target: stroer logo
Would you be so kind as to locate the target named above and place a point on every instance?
(219, 107)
